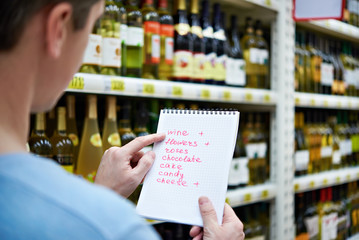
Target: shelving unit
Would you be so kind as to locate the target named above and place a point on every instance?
(326, 101)
(325, 179)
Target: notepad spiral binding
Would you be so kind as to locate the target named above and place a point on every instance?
(204, 111)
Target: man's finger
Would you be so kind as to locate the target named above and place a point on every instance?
(208, 213)
(228, 214)
(195, 230)
(144, 164)
(199, 236)
(140, 142)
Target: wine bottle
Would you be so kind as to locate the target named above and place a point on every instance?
(210, 48)
(219, 39)
(93, 54)
(340, 78)
(166, 35)
(250, 54)
(238, 170)
(337, 69)
(302, 153)
(307, 64)
(39, 143)
(124, 128)
(300, 228)
(236, 75)
(251, 148)
(336, 158)
(90, 153)
(71, 127)
(63, 149)
(315, 60)
(311, 217)
(154, 115)
(151, 48)
(50, 123)
(263, 57)
(183, 47)
(299, 65)
(111, 42)
(135, 38)
(198, 44)
(123, 35)
(327, 68)
(110, 136)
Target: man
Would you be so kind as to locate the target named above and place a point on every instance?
(41, 47)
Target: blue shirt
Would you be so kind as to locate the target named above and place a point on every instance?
(40, 200)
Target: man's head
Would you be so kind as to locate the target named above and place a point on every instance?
(49, 37)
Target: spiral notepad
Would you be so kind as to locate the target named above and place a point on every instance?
(192, 161)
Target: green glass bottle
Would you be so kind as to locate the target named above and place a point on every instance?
(39, 143)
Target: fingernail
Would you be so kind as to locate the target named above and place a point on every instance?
(203, 200)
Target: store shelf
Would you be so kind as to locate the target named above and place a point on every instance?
(250, 194)
(326, 101)
(100, 84)
(325, 179)
(334, 28)
(355, 237)
(264, 5)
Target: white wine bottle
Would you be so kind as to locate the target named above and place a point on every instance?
(39, 144)
(62, 144)
(90, 153)
(110, 136)
(71, 126)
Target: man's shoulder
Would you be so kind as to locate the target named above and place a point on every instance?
(37, 189)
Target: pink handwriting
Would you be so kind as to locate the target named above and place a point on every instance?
(201, 133)
(176, 150)
(197, 183)
(179, 182)
(178, 133)
(169, 165)
(181, 159)
(172, 141)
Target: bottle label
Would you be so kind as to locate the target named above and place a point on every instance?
(152, 27)
(254, 55)
(198, 66)
(326, 227)
(74, 138)
(251, 68)
(356, 74)
(111, 54)
(123, 33)
(301, 159)
(69, 168)
(169, 50)
(182, 28)
(336, 157)
(208, 32)
(333, 225)
(197, 30)
(219, 35)
(92, 55)
(95, 140)
(183, 64)
(239, 172)
(315, 68)
(209, 65)
(252, 150)
(236, 73)
(114, 140)
(220, 69)
(167, 30)
(135, 36)
(262, 150)
(326, 152)
(302, 236)
(312, 224)
(263, 56)
(349, 147)
(155, 57)
(327, 74)
(256, 238)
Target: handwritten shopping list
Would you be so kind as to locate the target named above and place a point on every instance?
(192, 161)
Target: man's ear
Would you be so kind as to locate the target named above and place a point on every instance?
(56, 28)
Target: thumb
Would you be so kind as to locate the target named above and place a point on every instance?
(144, 164)
(208, 213)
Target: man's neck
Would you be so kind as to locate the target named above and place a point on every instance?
(16, 81)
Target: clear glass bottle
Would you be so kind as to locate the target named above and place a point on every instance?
(123, 35)
(110, 135)
(263, 56)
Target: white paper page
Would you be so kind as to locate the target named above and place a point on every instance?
(197, 167)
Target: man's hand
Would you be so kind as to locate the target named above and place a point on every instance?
(123, 169)
(231, 228)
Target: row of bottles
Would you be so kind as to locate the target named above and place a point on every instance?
(250, 164)
(151, 43)
(325, 140)
(255, 218)
(351, 12)
(327, 214)
(325, 66)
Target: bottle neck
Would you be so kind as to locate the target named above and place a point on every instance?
(125, 125)
(40, 122)
(61, 120)
(180, 6)
(92, 107)
(71, 107)
(111, 108)
(194, 7)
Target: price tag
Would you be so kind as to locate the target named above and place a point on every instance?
(358, 175)
(350, 104)
(77, 82)
(339, 104)
(267, 98)
(264, 194)
(117, 85)
(177, 91)
(327, 23)
(312, 184)
(148, 88)
(205, 93)
(227, 95)
(312, 102)
(348, 177)
(297, 101)
(325, 182)
(248, 97)
(227, 201)
(326, 103)
(296, 187)
(247, 197)
(268, 3)
(337, 179)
